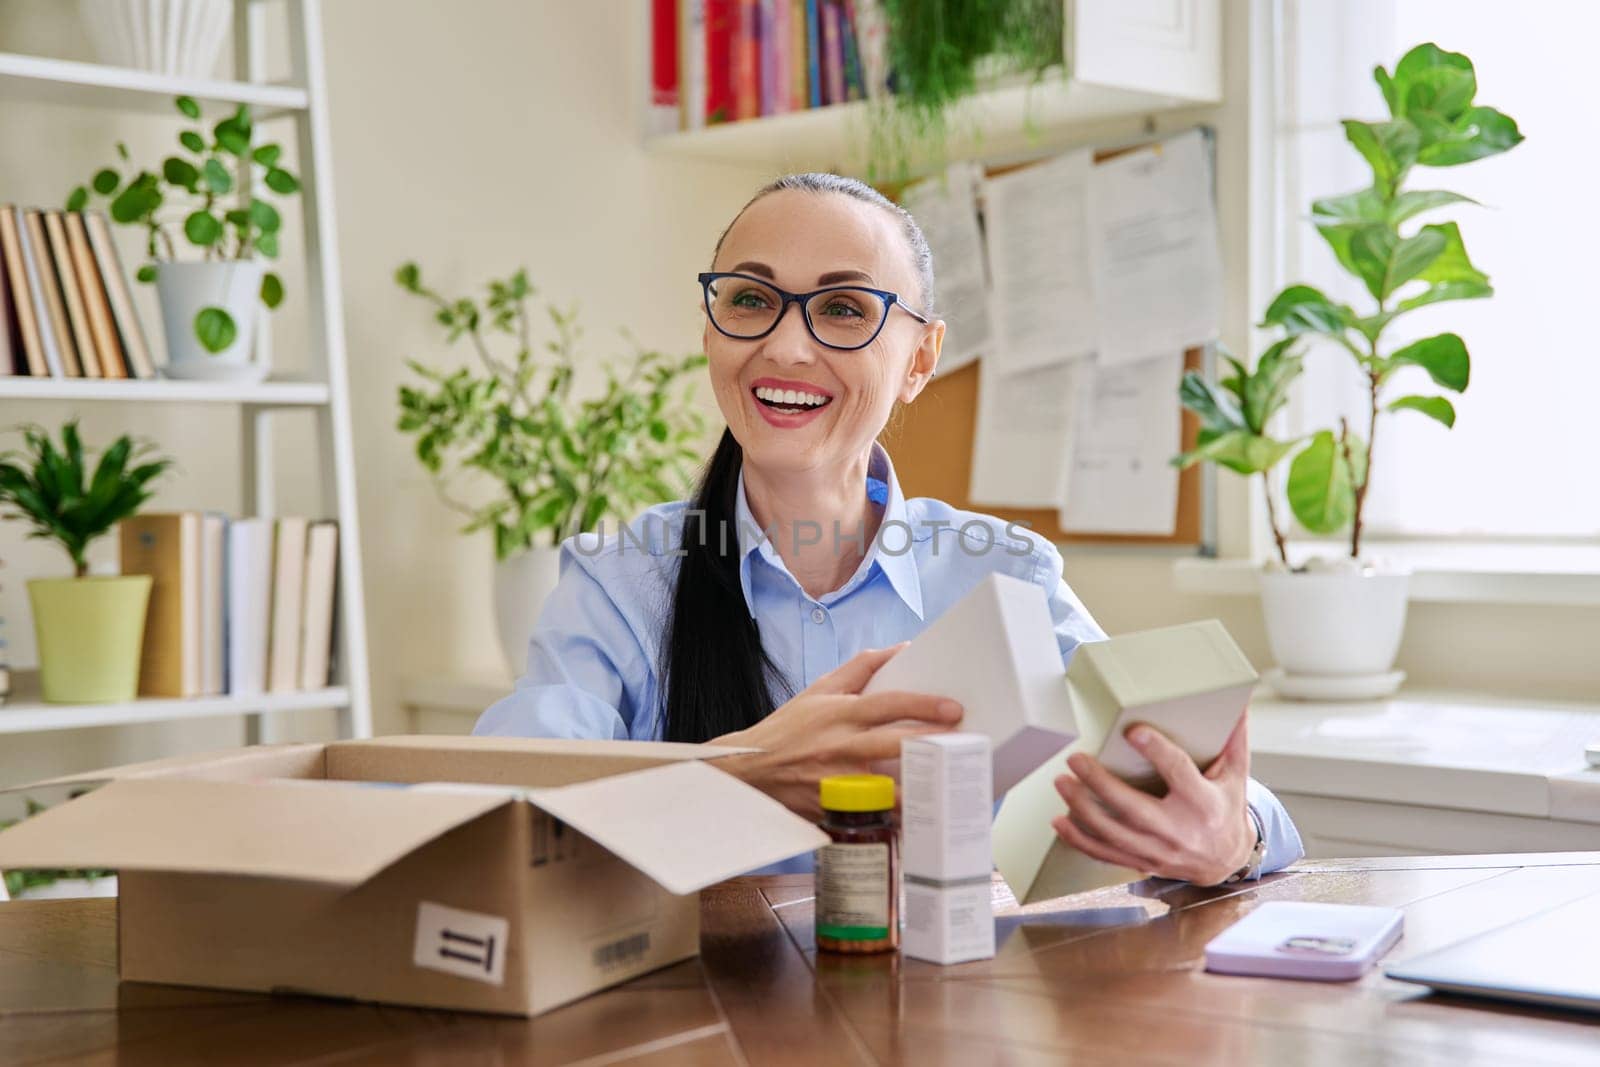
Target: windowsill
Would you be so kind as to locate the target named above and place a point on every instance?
(1461, 573)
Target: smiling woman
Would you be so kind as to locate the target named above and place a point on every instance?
(755, 613)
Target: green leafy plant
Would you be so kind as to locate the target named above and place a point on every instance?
(54, 490)
(940, 52)
(210, 193)
(556, 466)
(1404, 265)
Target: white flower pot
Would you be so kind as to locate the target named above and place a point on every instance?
(1335, 624)
(178, 37)
(184, 289)
(63, 888)
(521, 585)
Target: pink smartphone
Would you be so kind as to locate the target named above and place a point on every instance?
(1293, 939)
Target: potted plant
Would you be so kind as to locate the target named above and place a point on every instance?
(211, 192)
(43, 883)
(1335, 625)
(545, 466)
(89, 629)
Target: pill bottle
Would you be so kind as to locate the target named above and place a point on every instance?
(858, 873)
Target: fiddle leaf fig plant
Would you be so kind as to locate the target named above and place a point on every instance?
(1402, 264)
(211, 192)
(553, 465)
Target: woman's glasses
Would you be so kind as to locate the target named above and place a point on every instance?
(842, 316)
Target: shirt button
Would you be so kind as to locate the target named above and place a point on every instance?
(819, 616)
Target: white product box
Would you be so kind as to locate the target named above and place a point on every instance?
(948, 923)
(995, 653)
(946, 807)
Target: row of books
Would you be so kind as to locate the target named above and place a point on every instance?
(66, 310)
(240, 606)
(718, 61)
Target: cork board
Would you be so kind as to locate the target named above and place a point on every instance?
(931, 443)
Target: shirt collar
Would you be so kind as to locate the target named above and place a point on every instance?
(899, 567)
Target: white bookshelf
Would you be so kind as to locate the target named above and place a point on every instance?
(36, 79)
(25, 712)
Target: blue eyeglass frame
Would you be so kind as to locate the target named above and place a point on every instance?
(890, 301)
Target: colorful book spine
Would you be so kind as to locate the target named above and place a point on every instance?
(813, 53)
(746, 72)
(782, 60)
(799, 91)
(721, 20)
(832, 54)
(766, 63)
(854, 87)
(693, 87)
(665, 112)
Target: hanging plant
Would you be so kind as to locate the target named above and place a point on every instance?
(939, 53)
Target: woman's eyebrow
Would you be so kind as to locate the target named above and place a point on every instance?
(830, 278)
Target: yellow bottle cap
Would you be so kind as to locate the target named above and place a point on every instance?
(858, 792)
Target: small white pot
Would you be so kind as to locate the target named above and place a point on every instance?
(184, 290)
(178, 37)
(521, 585)
(1335, 623)
(63, 888)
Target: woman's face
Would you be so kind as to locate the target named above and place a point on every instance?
(802, 241)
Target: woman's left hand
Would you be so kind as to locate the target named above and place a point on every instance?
(1200, 832)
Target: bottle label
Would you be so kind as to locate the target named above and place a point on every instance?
(853, 892)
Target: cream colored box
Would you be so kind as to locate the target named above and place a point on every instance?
(995, 653)
(1191, 682)
(490, 874)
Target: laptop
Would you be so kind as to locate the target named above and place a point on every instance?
(1552, 958)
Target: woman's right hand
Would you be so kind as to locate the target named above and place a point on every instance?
(830, 728)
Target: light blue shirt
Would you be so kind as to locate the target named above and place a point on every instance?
(594, 656)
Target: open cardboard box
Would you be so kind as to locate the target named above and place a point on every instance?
(566, 867)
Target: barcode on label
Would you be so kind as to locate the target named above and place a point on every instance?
(619, 953)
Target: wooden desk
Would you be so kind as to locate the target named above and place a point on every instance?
(1066, 985)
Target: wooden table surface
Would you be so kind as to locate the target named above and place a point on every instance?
(1115, 979)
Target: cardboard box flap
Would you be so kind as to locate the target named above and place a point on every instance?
(686, 825)
(332, 833)
(509, 761)
(297, 760)
(1159, 665)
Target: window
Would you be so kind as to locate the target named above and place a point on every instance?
(1521, 461)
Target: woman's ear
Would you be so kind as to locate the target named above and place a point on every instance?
(924, 358)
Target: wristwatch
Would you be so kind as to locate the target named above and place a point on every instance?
(1252, 865)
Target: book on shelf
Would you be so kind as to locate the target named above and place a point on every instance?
(237, 606)
(717, 61)
(66, 308)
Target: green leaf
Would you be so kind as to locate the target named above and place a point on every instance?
(1430, 80)
(1451, 265)
(1414, 202)
(1435, 407)
(267, 245)
(1239, 450)
(180, 172)
(1217, 410)
(1302, 309)
(408, 276)
(78, 199)
(1444, 357)
(1478, 133)
(271, 290)
(1445, 291)
(192, 141)
(218, 180)
(265, 216)
(1266, 390)
(202, 228)
(234, 139)
(1364, 206)
(187, 105)
(1388, 147)
(215, 329)
(105, 181)
(137, 200)
(267, 155)
(281, 181)
(592, 512)
(146, 273)
(1385, 262)
(1319, 487)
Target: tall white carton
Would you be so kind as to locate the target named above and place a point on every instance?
(946, 854)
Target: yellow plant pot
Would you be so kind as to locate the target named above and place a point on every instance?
(90, 631)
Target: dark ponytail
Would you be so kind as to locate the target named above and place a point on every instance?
(718, 677)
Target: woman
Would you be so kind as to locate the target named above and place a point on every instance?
(755, 613)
